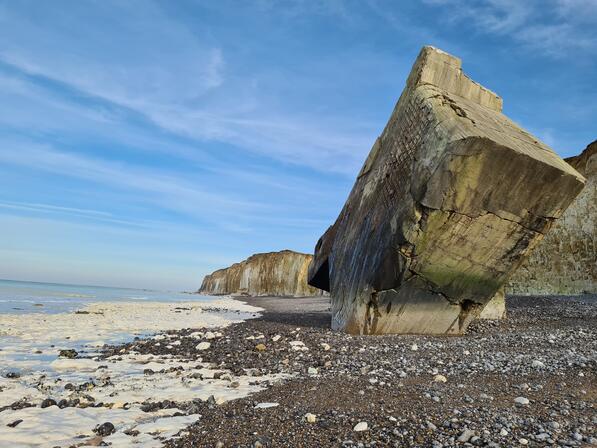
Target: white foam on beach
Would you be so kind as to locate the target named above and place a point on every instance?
(120, 380)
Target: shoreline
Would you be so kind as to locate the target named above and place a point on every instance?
(57, 386)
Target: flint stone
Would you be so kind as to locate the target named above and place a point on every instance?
(452, 198)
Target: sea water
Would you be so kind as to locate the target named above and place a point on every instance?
(21, 297)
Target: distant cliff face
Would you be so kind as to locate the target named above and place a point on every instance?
(565, 262)
(275, 273)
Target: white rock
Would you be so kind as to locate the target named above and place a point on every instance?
(312, 371)
(298, 346)
(414, 347)
(266, 405)
(523, 441)
(440, 379)
(203, 346)
(276, 338)
(537, 364)
(503, 432)
(392, 419)
(466, 435)
(325, 346)
(361, 426)
(209, 335)
(522, 401)
(311, 418)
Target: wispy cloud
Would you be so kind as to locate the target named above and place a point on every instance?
(93, 215)
(188, 90)
(552, 27)
(174, 191)
(166, 189)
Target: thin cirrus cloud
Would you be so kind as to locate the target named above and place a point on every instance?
(552, 27)
(169, 190)
(166, 190)
(177, 82)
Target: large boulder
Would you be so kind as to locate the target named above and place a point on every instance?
(451, 200)
(281, 273)
(566, 260)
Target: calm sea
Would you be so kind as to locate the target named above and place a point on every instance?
(33, 297)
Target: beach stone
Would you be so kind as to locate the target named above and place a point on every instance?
(260, 347)
(452, 198)
(521, 401)
(105, 429)
(15, 423)
(203, 346)
(47, 403)
(361, 426)
(69, 353)
(466, 435)
(440, 379)
(12, 375)
(311, 418)
(266, 405)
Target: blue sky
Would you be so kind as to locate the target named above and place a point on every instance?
(147, 143)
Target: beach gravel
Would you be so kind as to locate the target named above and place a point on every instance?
(480, 389)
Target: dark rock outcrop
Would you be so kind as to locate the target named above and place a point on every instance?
(452, 199)
(275, 273)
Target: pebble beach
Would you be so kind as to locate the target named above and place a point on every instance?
(269, 372)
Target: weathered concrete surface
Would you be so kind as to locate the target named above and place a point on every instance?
(496, 307)
(275, 273)
(566, 260)
(450, 201)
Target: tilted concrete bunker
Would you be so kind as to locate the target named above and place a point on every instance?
(450, 201)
